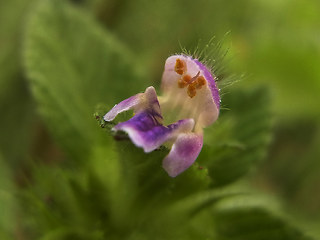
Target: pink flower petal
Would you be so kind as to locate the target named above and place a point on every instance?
(184, 152)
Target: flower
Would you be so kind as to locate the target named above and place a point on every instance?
(190, 102)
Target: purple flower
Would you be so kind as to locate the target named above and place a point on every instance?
(189, 103)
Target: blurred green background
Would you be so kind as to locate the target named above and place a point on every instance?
(60, 59)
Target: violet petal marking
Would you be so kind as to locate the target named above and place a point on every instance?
(184, 152)
(145, 131)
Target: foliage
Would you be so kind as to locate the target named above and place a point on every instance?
(15, 100)
(79, 58)
(7, 202)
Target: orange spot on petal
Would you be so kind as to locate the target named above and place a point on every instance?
(191, 91)
(181, 83)
(198, 82)
(184, 81)
(201, 81)
(187, 78)
(180, 67)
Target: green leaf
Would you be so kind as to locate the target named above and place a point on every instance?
(17, 124)
(15, 100)
(7, 203)
(11, 16)
(248, 218)
(49, 199)
(240, 138)
(72, 65)
(143, 173)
